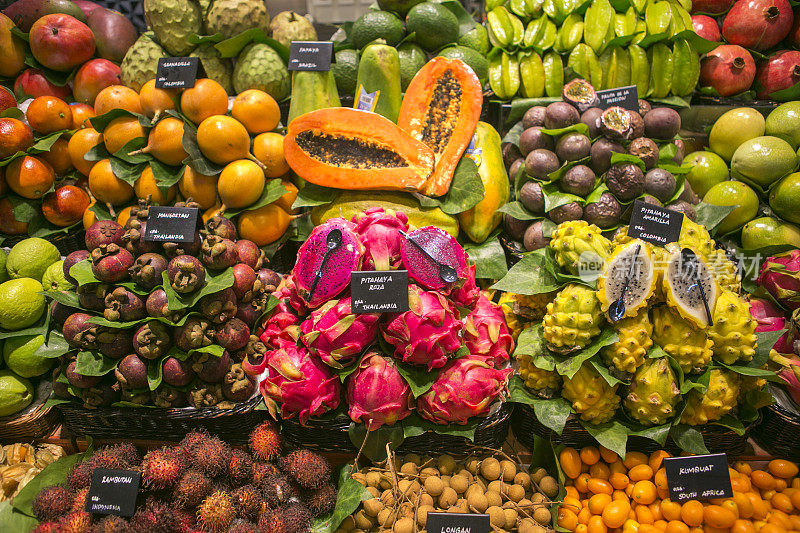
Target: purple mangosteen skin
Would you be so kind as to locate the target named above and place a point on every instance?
(77, 331)
(78, 380)
(186, 274)
(220, 226)
(73, 259)
(250, 254)
(110, 263)
(233, 335)
(211, 368)
(218, 253)
(131, 372)
(177, 373)
(115, 343)
(103, 232)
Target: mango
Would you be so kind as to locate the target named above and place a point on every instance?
(12, 49)
(348, 203)
(769, 231)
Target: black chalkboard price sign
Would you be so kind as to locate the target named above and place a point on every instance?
(177, 72)
(113, 492)
(698, 477)
(310, 55)
(379, 292)
(171, 224)
(654, 224)
(625, 97)
(457, 523)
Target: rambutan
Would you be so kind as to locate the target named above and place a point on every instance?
(242, 526)
(263, 471)
(309, 469)
(265, 442)
(75, 522)
(298, 518)
(46, 527)
(162, 468)
(240, 466)
(247, 500)
(211, 456)
(112, 524)
(277, 491)
(191, 489)
(272, 522)
(51, 503)
(81, 476)
(192, 439)
(153, 517)
(119, 456)
(216, 512)
(79, 500)
(321, 501)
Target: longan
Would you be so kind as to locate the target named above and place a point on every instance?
(538, 475)
(434, 486)
(446, 464)
(527, 525)
(373, 479)
(496, 486)
(363, 521)
(448, 498)
(409, 469)
(542, 516)
(496, 516)
(387, 498)
(459, 483)
(516, 492)
(511, 518)
(422, 514)
(374, 491)
(372, 507)
(361, 478)
(426, 500)
(549, 486)
(494, 498)
(478, 502)
(490, 469)
(509, 470)
(472, 464)
(413, 458)
(404, 525)
(524, 479)
(525, 507)
(387, 517)
(427, 472)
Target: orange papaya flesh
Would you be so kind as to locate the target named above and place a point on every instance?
(345, 148)
(441, 108)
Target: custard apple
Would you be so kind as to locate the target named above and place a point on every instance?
(260, 67)
(288, 26)
(141, 61)
(653, 393)
(688, 344)
(217, 68)
(734, 329)
(232, 17)
(591, 395)
(634, 340)
(579, 246)
(573, 319)
(719, 400)
(173, 21)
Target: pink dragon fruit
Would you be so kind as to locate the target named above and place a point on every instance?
(442, 247)
(486, 333)
(425, 334)
(287, 291)
(780, 276)
(336, 335)
(281, 327)
(300, 383)
(789, 373)
(770, 318)
(377, 394)
(467, 294)
(465, 388)
(335, 273)
(378, 230)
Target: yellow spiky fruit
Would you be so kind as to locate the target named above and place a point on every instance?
(543, 383)
(573, 319)
(734, 329)
(696, 237)
(686, 343)
(653, 393)
(591, 396)
(616, 279)
(635, 339)
(578, 245)
(719, 399)
(725, 271)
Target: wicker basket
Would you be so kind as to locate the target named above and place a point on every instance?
(779, 430)
(68, 242)
(525, 425)
(234, 425)
(33, 422)
(330, 436)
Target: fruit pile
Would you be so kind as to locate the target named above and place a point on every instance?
(168, 324)
(401, 495)
(647, 44)
(762, 158)
(21, 463)
(574, 161)
(664, 339)
(200, 484)
(759, 55)
(605, 491)
(451, 329)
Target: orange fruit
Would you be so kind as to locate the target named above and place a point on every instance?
(65, 206)
(165, 142)
(8, 222)
(598, 502)
(676, 526)
(644, 492)
(257, 110)
(600, 486)
(743, 468)
(265, 225)
(762, 480)
(15, 136)
(268, 148)
(782, 502)
(81, 113)
(3, 184)
(89, 217)
(607, 455)
(48, 114)
(213, 211)
(596, 525)
(146, 188)
(117, 97)
(58, 157)
(30, 176)
(743, 504)
(123, 216)
(288, 199)
(619, 481)
(81, 142)
(155, 101)
(634, 458)
(120, 132)
(590, 455)
(223, 139)
(570, 461)
(692, 513)
(565, 517)
(207, 98)
(615, 513)
(782, 468)
(640, 472)
(743, 526)
(670, 510)
(582, 482)
(106, 187)
(240, 184)
(200, 188)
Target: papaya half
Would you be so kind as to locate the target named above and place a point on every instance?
(345, 148)
(441, 108)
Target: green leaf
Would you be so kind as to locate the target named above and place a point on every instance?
(94, 364)
(513, 134)
(231, 47)
(351, 494)
(68, 298)
(688, 439)
(627, 158)
(376, 440)
(702, 46)
(572, 364)
(196, 160)
(55, 346)
(520, 105)
(82, 272)
(466, 190)
(12, 112)
(466, 431)
(420, 379)
(53, 474)
(529, 276)
(489, 258)
(613, 435)
(672, 101)
(165, 175)
(214, 284)
(580, 127)
(311, 195)
(516, 210)
(465, 20)
(13, 520)
(786, 95)
(25, 210)
(43, 144)
(710, 215)
(96, 153)
(155, 371)
(101, 122)
(553, 197)
(127, 172)
(552, 413)
(101, 211)
(656, 433)
(135, 144)
(273, 190)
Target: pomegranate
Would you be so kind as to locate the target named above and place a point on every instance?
(706, 27)
(758, 24)
(781, 71)
(729, 69)
(711, 7)
(794, 33)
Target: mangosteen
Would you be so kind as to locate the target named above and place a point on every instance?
(205, 395)
(604, 213)
(168, 397)
(80, 381)
(684, 207)
(644, 107)
(152, 340)
(566, 212)
(103, 232)
(540, 162)
(534, 117)
(244, 277)
(515, 168)
(688, 195)
(147, 269)
(533, 139)
(531, 196)
(102, 394)
(211, 368)
(646, 150)
(233, 335)
(114, 343)
(514, 226)
(660, 184)
(580, 94)
(237, 385)
(254, 352)
(250, 312)
(625, 181)
(124, 306)
(221, 227)
(178, 373)
(92, 296)
(615, 123)
(680, 153)
(79, 332)
(59, 312)
(601, 154)
(510, 153)
(174, 249)
(157, 306)
(662, 123)
(573, 146)
(195, 333)
(73, 259)
(218, 253)
(133, 239)
(250, 254)
(269, 279)
(578, 180)
(637, 125)
(591, 117)
(560, 115)
(110, 263)
(131, 372)
(220, 306)
(186, 274)
(534, 237)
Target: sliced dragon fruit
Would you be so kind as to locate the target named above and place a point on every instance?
(430, 254)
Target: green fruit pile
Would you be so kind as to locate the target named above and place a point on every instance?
(643, 44)
(752, 162)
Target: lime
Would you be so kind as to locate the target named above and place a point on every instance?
(733, 193)
(54, 278)
(398, 6)
(733, 128)
(30, 258)
(21, 305)
(19, 355)
(475, 60)
(16, 393)
(3, 271)
(345, 71)
(476, 38)
(708, 169)
(784, 198)
(433, 25)
(376, 25)
(412, 58)
(763, 161)
(784, 122)
(769, 231)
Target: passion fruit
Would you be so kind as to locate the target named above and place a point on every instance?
(580, 94)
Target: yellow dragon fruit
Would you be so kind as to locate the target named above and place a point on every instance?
(579, 245)
(635, 339)
(725, 271)
(573, 319)
(616, 279)
(543, 383)
(653, 393)
(734, 329)
(720, 398)
(686, 343)
(697, 237)
(591, 395)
